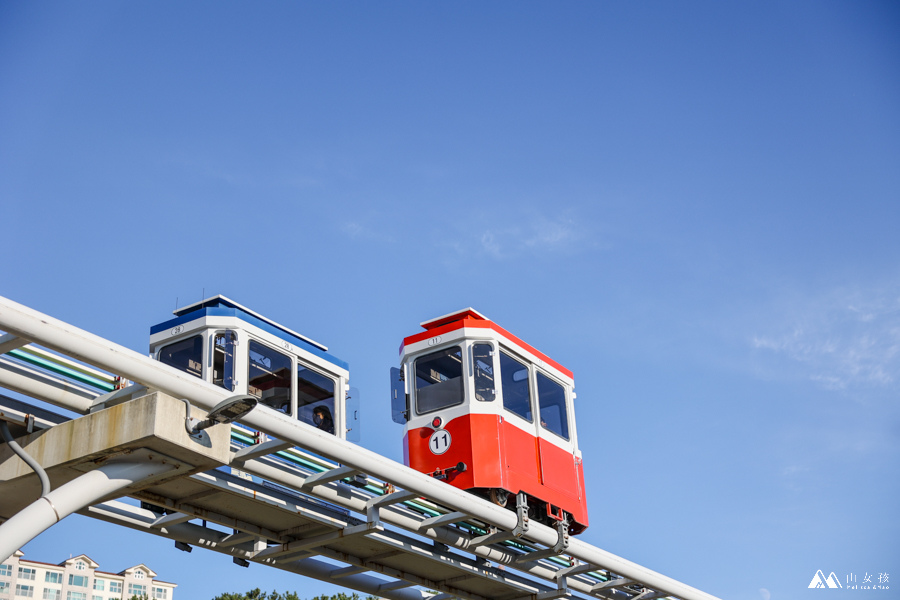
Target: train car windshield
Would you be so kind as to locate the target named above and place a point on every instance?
(184, 355)
(270, 377)
(315, 399)
(439, 381)
(552, 400)
(516, 389)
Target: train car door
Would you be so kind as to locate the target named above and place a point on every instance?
(556, 445)
(517, 429)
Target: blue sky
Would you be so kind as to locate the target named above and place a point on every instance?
(692, 205)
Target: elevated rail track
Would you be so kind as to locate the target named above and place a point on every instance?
(267, 489)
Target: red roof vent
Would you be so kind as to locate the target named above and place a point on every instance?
(466, 313)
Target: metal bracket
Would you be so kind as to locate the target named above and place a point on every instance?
(522, 514)
(495, 536)
(575, 569)
(562, 542)
(259, 450)
(373, 506)
(117, 396)
(612, 583)
(561, 591)
(449, 472)
(287, 550)
(447, 519)
(648, 594)
(327, 477)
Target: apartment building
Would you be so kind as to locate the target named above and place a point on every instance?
(78, 578)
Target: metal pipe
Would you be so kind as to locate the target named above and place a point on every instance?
(390, 514)
(366, 461)
(54, 364)
(33, 383)
(202, 537)
(27, 458)
(104, 354)
(11, 342)
(48, 510)
(70, 340)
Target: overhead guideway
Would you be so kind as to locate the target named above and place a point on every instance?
(295, 497)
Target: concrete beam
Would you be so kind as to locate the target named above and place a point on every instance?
(153, 424)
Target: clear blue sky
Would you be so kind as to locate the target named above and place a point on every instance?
(692, 205)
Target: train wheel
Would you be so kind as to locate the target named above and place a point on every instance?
(499, 497)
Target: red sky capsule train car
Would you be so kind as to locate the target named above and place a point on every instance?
(490, 414)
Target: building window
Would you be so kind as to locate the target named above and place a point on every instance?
(26, 573)
(51, 594)
(76, 596)
(5, 570)
(138, 574)
(78, 580)
(4, 587)
(98, 584)
(96, 597)
(80, 566)
(24, 591)
(51, 577)
(136, 590)
(160, 593)
(115, 587)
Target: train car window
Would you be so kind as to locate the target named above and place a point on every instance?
(185, 355)
(516, 389)
(552, 401)
(270, 377)
(439, 381)
(315, 399)
(483, 359)
(223, 359)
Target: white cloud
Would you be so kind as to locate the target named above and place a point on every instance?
(533, 234)
(360, 231)
(352, 229)
(844, 339)
(490, 244)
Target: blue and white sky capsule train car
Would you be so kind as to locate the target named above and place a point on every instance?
(229, 345)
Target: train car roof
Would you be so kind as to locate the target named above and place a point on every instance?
(466, 313)
(222, 306)
(469, 317)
